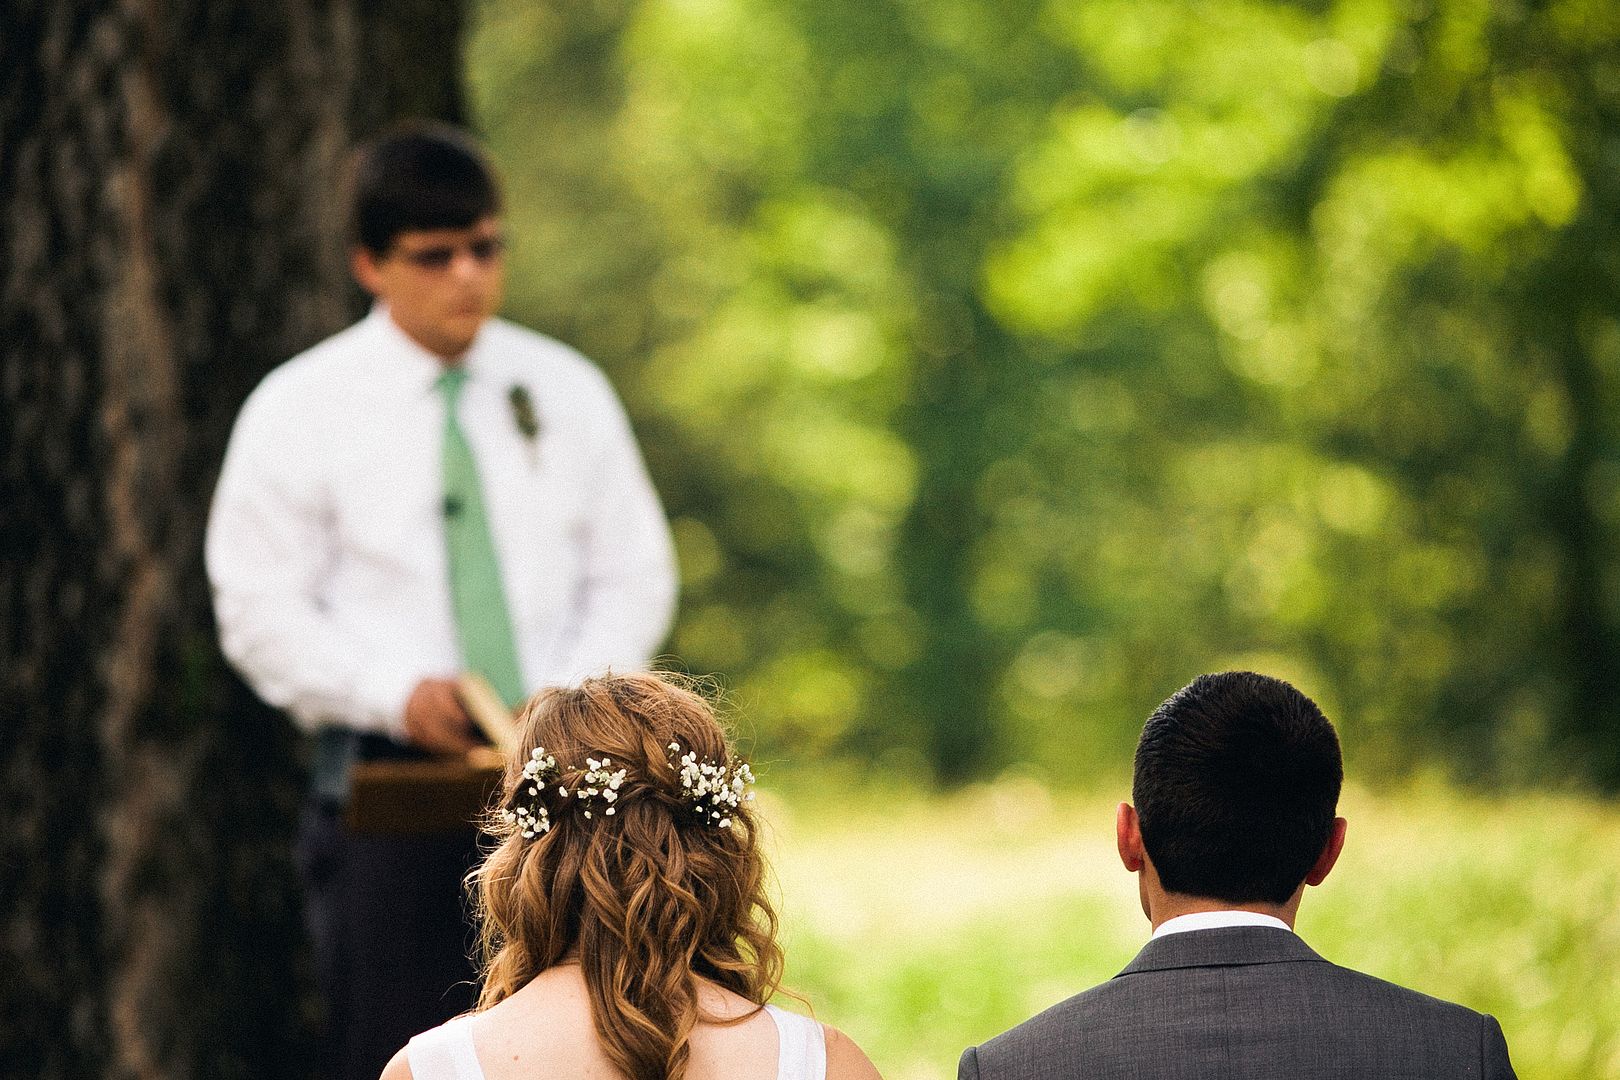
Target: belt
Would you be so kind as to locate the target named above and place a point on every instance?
(337, 750)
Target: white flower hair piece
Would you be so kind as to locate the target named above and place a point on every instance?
(530, 815)
(599, 782)
(715, 789)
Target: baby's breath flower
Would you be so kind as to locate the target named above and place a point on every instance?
(714, 788)
(532, 819)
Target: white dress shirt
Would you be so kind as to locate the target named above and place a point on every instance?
(1212, 920)
(326, 547)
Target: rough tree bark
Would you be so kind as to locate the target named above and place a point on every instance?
(171, 229)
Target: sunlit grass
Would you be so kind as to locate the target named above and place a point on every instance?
(921, 924)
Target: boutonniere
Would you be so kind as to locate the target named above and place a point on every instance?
(525, 419)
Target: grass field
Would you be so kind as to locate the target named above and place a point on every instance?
(921, 924)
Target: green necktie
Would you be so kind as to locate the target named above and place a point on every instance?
(483, 625)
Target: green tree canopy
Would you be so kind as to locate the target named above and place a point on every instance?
(1005, 365)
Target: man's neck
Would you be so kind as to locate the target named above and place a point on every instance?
(448, 354)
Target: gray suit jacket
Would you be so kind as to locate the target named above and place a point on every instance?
(1244, 1002)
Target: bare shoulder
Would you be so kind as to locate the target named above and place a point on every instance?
(398, 1067)
(845, 1060)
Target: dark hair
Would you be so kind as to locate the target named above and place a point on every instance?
(420, 176)
(1236, 782)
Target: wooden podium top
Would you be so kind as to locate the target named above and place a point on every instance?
(421, 797)
(436, 795)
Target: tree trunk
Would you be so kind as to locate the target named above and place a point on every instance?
(172, 228)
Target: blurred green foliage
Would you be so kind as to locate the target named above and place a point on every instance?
(1004, 365)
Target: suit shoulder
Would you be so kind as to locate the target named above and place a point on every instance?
(1016, 1049)
(1388, 995)
(1396, 1022)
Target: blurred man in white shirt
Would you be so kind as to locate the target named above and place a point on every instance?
(343, 597)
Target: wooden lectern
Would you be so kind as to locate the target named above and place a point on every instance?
(437, 795)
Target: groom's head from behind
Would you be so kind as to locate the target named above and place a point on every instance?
(1236, 783)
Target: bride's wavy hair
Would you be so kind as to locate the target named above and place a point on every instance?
(652, 898)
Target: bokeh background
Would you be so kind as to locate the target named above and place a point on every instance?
(1002, 366)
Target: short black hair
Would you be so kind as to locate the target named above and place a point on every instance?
(420, 176)
(1236, 784)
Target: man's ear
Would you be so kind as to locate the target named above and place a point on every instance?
(1330, 854)
(363, 265)
(1128, 834)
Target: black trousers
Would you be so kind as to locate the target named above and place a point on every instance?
(391, 934)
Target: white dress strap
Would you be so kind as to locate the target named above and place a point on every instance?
(803, 1046)
(445, 1052)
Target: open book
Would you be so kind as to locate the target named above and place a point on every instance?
(488, 711)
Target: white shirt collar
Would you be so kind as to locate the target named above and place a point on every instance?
(402, 350)
(1211, 920)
